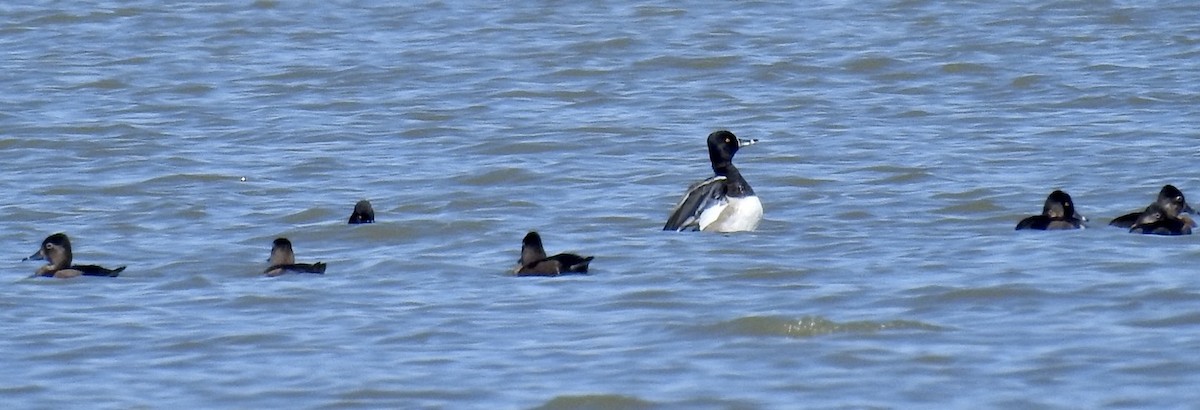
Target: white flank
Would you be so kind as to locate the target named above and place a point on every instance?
(732, 215)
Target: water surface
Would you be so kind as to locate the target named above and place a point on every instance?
(901, 142)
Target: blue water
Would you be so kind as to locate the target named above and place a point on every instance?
(901, 141)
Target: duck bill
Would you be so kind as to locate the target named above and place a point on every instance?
(747, 142)
(37, 256)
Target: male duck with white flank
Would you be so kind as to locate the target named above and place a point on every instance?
(723, 202)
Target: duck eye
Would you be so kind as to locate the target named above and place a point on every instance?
(48, 246)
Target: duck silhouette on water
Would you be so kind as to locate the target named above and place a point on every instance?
(1157, 220)
(56, 250)
(283, 260)
(724, 202)
(1058, 213)
(1170, 202)
(534, 261)
(363, 213)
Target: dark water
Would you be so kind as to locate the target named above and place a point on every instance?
(901, 142)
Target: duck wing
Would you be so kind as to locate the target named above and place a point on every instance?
(561, 264)
(699, 197)
(572, 263)
(94, 270)
(1034, 222)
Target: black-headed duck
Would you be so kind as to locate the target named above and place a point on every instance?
(283, 260)
(534, 261)
(724, 202)
(1156, 220)
(363, 213)
(56, 250)
(1170, 201)
(1058, 212)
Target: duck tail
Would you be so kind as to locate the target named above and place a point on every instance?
(581, 266)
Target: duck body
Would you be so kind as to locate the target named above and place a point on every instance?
(283, 260)
(1043, 223)
(1058, 213)
(534, 261)
(80, 270)
(724, 202)
(56, 250)
(276, 270)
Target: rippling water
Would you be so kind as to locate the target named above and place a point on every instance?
(901, 142)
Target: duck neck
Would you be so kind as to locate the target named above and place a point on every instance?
(281, 257)
(61, 261)
(722, 168)
(735, 185)
(532, 252)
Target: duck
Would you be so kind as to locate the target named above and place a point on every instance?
(363, 213)
(56, 250)
(724, 202)
(1156, 220)
(534, 261)
(283, 260)
(1170, 201)
(1058, 213)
